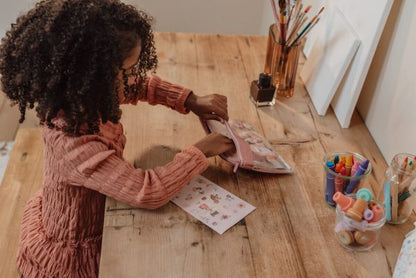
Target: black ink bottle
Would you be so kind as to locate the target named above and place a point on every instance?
(262, 91)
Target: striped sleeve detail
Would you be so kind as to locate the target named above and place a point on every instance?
(157, 91)
(112, 176)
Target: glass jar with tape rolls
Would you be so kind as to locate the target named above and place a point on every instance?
(359, 219)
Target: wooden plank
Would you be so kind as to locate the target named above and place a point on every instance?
(9, 119)
(269, 229)
(22, 179)
(297, 207)
(168, 242)
(31, 120)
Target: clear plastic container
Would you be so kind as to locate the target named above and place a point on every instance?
(358, 235)
(397, 188)
(346, 183)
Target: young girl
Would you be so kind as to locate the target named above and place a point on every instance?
(78, 60)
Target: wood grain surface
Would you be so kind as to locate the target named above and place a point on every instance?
(290, 234)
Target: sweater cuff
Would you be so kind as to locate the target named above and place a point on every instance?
(200, 157)
(173, 95)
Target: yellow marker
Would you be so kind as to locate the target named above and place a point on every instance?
(348, 165)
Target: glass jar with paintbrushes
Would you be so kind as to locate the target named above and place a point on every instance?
(398, 188)
(283, 45)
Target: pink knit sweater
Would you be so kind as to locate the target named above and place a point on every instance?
(62, 225)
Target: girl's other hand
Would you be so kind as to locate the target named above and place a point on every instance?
(214, 144)
(208, 107)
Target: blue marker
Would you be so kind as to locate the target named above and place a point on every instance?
(387, 206)
(336, 159)
(330, 184)
(355, 182)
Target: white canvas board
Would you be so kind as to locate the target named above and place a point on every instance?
(368, 19)
(334, 47)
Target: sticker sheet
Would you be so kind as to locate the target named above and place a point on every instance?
(406, 261)
(212, 205)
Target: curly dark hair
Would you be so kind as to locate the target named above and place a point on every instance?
(65, 55)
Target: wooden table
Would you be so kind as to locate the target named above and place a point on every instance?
(290, 234)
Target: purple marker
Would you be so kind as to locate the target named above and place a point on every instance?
(355, 182)
(330, 184)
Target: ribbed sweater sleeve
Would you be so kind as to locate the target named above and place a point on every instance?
(158, 91)
(98, 168)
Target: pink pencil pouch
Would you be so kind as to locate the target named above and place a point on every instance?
(253, 151)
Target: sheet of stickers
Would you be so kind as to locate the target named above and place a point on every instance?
(212, 205)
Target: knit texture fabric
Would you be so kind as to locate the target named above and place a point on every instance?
(62, 225)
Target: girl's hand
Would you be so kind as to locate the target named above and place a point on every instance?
(215, 143)
(208, 107)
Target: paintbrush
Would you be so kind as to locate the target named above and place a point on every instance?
(283, 20)
(307, 26)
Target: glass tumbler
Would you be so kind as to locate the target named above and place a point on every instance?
(281, 63)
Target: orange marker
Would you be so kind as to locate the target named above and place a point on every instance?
(338, 168)
(343, 159)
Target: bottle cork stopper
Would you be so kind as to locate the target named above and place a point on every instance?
(356, 212)
(343, 201)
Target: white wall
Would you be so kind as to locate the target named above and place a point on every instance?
(209, 16)
(9, 10)
(388, 99)
(195, 16)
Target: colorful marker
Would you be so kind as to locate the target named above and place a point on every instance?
(336, 159)
(355, 182)
(330, 184)
(354, 167)
(348, 165)
(339, 181)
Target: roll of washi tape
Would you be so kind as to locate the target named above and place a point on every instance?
(365, 194)
(343, 201)
(345, 237)
(364, 237)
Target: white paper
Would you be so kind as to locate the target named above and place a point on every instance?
(212, 205)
